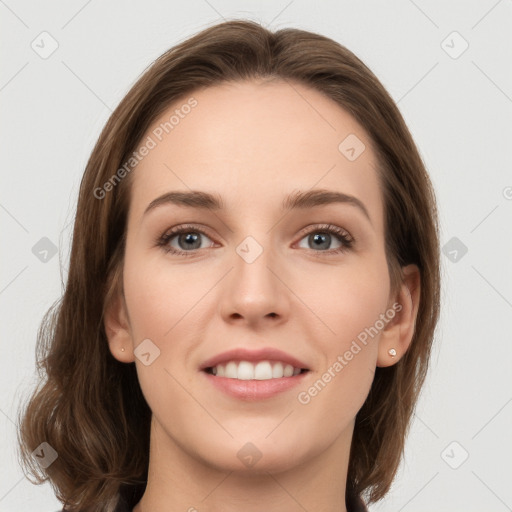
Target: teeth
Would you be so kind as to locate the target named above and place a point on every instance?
(263, 370)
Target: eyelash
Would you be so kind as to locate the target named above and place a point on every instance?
(346, 239)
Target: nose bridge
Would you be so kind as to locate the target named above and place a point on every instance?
(254, 289)
(253, 262)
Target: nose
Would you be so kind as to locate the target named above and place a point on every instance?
(254, 291)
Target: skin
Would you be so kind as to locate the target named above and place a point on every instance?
(254, 143)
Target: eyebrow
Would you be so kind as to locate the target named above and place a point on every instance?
(296, 200)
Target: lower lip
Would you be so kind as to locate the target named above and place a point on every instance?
(253, 390)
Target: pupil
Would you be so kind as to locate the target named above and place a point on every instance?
(319, 237)
(190, 238)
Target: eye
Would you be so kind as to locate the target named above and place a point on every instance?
(320, 237)
(186, 238)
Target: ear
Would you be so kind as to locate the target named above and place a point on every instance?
(399, 332)
(118, 331)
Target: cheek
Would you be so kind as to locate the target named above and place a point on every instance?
(159, 296)
(350, 302)
(160, 299)
(346, 298)
(350, 305)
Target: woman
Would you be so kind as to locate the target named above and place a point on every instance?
(253, 288)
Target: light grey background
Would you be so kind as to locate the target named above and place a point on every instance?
(459, 111)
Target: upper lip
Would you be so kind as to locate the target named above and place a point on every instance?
(262, 354)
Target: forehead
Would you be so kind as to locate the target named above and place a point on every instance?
(253, 143)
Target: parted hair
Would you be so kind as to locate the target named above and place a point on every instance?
(87, 405)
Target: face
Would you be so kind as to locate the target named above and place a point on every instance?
(304, 280)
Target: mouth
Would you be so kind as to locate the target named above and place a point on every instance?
(253, 382)
(251, 375)
(261, 370)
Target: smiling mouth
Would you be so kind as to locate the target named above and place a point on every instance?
(262, 370)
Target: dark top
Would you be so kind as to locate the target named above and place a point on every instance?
(130, 496)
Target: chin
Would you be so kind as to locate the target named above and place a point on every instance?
(260, 456)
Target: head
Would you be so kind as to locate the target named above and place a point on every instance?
(256, 120)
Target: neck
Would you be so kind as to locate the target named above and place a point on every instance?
(181, 480)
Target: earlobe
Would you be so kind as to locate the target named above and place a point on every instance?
(117, 329)
(397, 335)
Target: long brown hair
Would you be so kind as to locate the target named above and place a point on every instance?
(88, 406)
